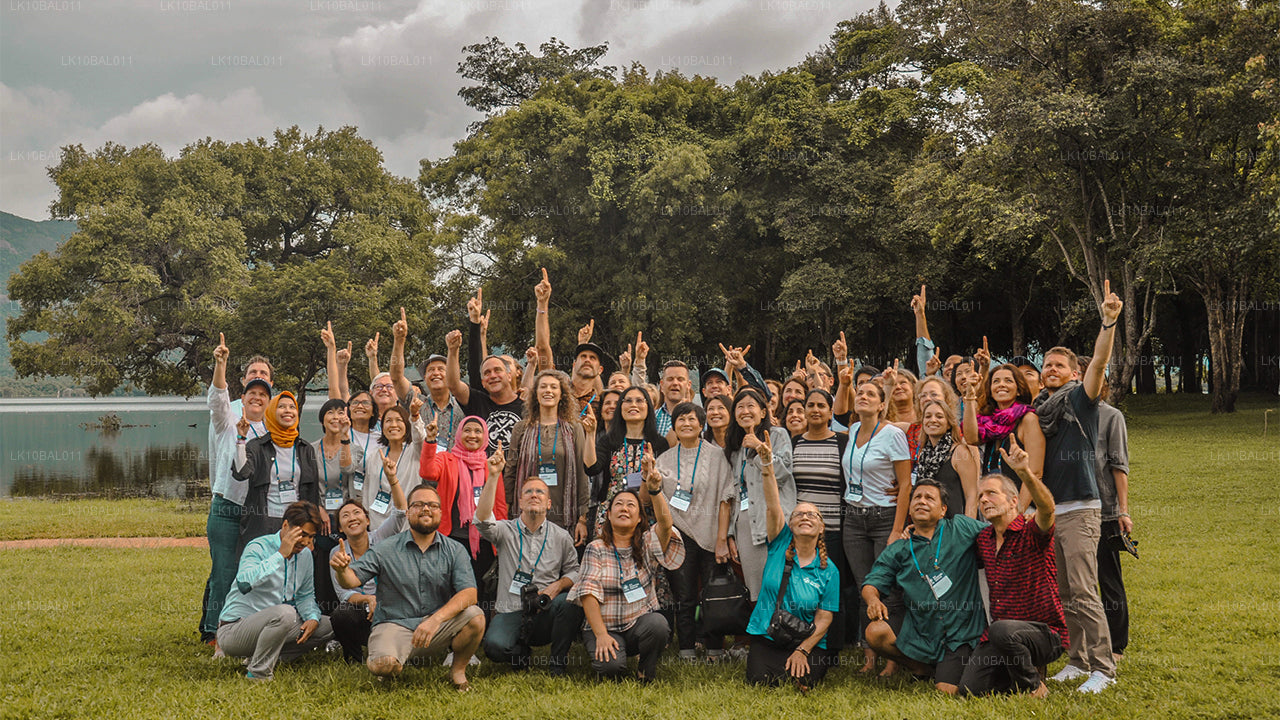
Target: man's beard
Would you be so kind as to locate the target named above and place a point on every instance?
(423, 526)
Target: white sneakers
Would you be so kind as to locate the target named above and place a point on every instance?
(448, 660)
(1096, 683)
(1068, 673)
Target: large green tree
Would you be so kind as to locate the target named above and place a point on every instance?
(263, 240)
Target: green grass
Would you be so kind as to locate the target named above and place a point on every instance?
(23, 518)
(110, 633)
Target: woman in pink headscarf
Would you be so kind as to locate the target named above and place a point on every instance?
(459, 475)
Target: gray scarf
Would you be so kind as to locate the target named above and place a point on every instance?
(1051, 408)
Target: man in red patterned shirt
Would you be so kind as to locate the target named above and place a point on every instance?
(1028, 630)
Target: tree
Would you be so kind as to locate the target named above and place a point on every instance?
(265, 241)
(510, 75)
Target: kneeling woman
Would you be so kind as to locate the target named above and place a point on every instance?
(798, 579)
(615, 586)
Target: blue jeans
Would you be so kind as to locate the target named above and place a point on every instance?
(223, 529)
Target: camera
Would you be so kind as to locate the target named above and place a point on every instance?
(532, 602)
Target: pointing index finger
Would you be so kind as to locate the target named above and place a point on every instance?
(544, 276)
(222, 340)
(402, 318)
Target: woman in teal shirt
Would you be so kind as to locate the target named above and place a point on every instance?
(812, 592)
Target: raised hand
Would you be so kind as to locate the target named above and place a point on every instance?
(918, 302)
(1111, 304)
(371, 347)
(242, 427)
(891, 377)
(751, 442)
(326, 336)
(586, 331)
(388, 466)
(646, 461)
(432, 431)
(484, 322)
(289, 540)
(475, 306)
(400, 329)
(542, 291)
(811, 363)
(344, 355)
(982, 358)
(1016, 457)
(415, 406)
(840, 349)
(734, 357)
(624, 360)
(497, 461)
(642, 347)
(589, 421)
(531, 358)
(846, 375)
(453, 340)
(933, 364)
(342, 558)
(222, 352)
(798, 373)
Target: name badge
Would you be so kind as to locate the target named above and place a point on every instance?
(853, 493)
(357, 482)
(914, 476)
(681, 499)
(518, 581)
(441, 447)
(939, 583)
(547, 474)
(632, 590)
(634, 479)
(475, 492)
(743, 501)
(381, 502)
(288, 492)
(332, 499)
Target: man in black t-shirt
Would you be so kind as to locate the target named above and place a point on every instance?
(1068, 412)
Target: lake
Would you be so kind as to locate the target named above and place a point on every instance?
(48, 452)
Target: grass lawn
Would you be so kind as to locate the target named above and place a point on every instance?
(24, 518)
(110, 633)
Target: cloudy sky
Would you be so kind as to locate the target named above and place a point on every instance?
(172, 71)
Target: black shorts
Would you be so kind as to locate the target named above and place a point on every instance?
(950, 668)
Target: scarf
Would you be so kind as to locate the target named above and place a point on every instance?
(1051, 409)
(1000, 423)
(929, 458)
(528, 460)
(469, 462)
(280, 435)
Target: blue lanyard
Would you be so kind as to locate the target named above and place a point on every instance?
(285, 584)
(866, 448)
(403, 450)
(694, 477)
(742, 473)
(618, 558)
(293, 466)
(627, 457)
(554, 443)
(545, 535)
(937, 547)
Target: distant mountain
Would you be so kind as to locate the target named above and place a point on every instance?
(20, 239)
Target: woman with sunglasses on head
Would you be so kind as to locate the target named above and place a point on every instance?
(798, 579)
(280, 467)
(749, 429)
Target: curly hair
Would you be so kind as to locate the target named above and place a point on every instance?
(567, 410)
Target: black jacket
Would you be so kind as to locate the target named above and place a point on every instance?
(259, 456)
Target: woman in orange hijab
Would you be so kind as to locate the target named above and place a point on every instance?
(280, 467)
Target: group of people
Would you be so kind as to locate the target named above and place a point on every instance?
(965, 525)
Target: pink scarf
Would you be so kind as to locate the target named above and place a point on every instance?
(999, 424)
(470, 462)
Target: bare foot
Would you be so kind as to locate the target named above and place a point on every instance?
(869, 666)
(890, 668)
(1041, 692)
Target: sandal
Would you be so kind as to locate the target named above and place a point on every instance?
(462, 687)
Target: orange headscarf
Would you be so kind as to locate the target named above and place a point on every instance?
(280, 435)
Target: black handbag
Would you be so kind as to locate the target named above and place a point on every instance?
(786, 629)
(726, 603)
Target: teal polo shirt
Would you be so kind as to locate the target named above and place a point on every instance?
(810, 588)
(935, 626)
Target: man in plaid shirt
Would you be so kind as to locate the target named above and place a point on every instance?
(1028, 630)
(616, 582)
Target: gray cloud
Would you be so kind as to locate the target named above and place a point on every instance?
(173, 71)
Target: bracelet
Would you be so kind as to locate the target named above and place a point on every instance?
(802, 651)
(842, 363)
(768, 464)
(1125, 515)
(241, 438)
(656, 492)
(345, 442)
(1108, 327)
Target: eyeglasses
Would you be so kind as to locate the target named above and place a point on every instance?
(383, 386)
(802, 514)
(361, 403)
(418, 506)
(534, 491)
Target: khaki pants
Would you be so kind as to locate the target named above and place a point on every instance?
(1075, 538)
(391, 640)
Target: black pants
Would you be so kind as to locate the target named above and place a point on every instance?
(351, 628)
(767, 663)
(485, 559)
(1007, 661)
(1115, 603)
(840, 631)
(326, 595)
(558, 625)
(646, 638)
(686, 585)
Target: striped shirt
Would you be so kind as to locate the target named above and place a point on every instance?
(1022, 575)
(819, 474)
